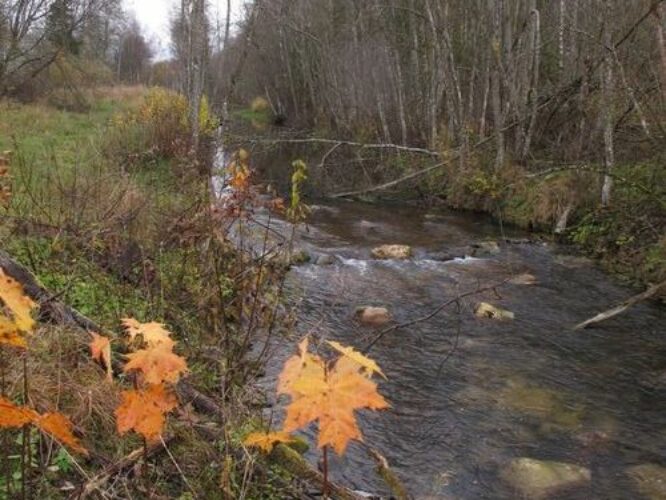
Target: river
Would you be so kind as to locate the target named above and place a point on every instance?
(468, 395)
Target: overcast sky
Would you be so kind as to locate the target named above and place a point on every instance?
(154, 17)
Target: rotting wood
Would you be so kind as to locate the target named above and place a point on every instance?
(620, 308)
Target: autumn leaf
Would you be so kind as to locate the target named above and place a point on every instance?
(100, 349)
(157, 365)
(330, 397)
(59, 427)
(20, 305)
(10, 335)
(15, 312)
(153, 333)
(55, 425)
(370, 365)
(15, 416)
(144, 411)
(267, 440)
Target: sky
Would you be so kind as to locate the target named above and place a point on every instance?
(153, 15)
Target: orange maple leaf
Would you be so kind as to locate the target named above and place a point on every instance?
(100, 350)
(152, 333)
(144, 411)
(157, 365)
(59, 427)
(15, 416)
(55, 425)
(267, 440)
(329, 396)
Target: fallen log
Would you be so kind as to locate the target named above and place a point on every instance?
(620, 308)
(54, 311)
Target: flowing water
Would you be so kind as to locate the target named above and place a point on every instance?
(470, 394)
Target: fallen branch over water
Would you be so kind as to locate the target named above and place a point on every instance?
(620, 308)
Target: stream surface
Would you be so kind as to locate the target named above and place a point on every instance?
(470, 394)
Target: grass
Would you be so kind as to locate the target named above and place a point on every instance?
(114, 238)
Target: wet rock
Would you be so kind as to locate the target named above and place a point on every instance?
(537, 479)
(372, 316)
(524, 279)
(485, 249)
(485, 310)
(399, 252)
(446, 256)
(650, 480)
(325, 260)
(300, 256)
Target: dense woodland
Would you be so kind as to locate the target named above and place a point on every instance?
(165, 300)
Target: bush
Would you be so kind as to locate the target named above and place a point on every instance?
(158, 129)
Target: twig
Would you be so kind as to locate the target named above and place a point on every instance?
(97, 481)
(432, 313)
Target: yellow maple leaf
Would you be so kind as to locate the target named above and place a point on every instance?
(144, 411)
(15, 312)
(152, 333)
(370, 365)
(330, 397)
(100, 350)
(10, 335)
(267, 440)
(158, 364)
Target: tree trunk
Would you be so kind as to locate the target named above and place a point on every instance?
(607, 107)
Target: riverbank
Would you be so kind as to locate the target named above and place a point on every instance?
(106, 209)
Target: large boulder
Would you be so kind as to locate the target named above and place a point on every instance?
(650, 480)
(399, 252)
(372, 316)
(537, 479)
(485, 310)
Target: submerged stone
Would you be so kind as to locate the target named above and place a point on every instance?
(523, 279)
(399, 252)
(537, 479)
(300, 257)
(650, 480)
(545, 404)
(485, 249)
(372, 316)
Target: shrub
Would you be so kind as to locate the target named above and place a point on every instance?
(159, 128)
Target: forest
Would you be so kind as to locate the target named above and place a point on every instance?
(299, 249)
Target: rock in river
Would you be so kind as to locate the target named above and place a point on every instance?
(325, 260)
(485, 249)
(372, 316)
(399, 252)
(650, 479)
(537, 479)
(485, 310)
